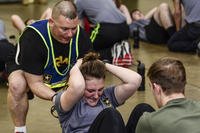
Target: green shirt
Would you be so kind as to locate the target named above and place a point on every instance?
(177, 116)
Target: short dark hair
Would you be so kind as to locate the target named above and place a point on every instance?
(118, 3)
(134, 10)
(169, 73)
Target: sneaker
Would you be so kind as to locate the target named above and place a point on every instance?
(198, 49)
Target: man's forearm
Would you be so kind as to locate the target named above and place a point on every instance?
(42, 91)
(177, 14)
(36, 84)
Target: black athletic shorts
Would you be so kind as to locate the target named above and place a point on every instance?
(155, 33)
(11, 66)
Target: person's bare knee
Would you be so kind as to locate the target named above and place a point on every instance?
(164, 9)
(165, 15)
(17, 85)
(156, 17)
(164, 6)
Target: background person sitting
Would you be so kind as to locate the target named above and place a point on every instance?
(20, 25)
(157, 26)
(186, 38)
(109, 24)
(124, 10)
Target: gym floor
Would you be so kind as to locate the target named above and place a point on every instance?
(39, 118)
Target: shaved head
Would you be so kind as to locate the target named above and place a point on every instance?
(65, 8)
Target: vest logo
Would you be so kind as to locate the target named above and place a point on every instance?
(47, 78)
(61, 61)
(106, 101)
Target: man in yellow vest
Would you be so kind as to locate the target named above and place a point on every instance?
(46, 51)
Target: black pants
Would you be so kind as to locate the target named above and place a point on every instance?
(111, 121)
(185, 40)
(135, 116)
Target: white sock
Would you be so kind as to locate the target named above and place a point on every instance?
(20, 129)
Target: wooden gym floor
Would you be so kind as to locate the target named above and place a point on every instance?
(39, 118)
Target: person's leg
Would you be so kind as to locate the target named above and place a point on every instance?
(163, 16)
(107, 34)
(135, 116)
(18, 23)
(46, 14)
(108, 121)
(103, 38)
(155, 33)
(185, 39)
(163, 25)
(17, 99)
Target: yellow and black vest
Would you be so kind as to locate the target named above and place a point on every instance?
(52, 76)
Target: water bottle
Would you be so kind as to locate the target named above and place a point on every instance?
(141, 71)
(136, 37)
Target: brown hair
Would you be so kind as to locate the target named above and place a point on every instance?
(92, 66)
(169, 73)
(118, 3)
(132, 11)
